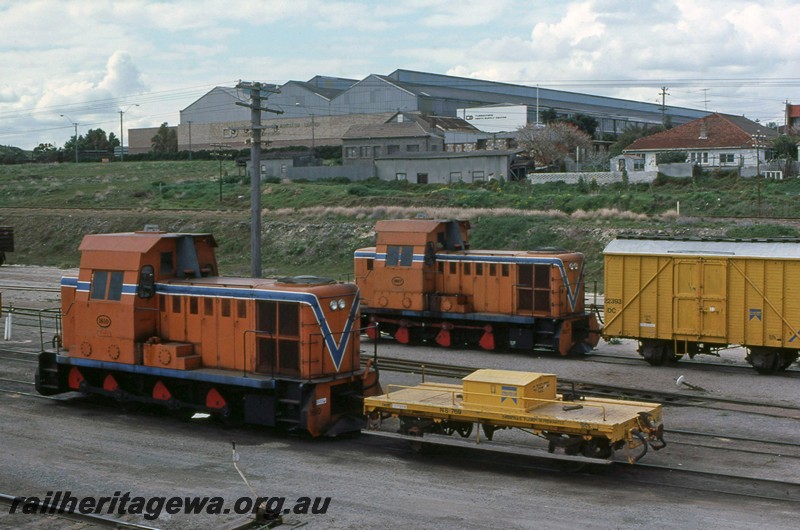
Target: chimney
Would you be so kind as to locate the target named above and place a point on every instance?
(703, 130)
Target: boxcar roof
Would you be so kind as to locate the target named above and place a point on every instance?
(767, 248)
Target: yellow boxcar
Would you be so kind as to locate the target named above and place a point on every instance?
(691, 296)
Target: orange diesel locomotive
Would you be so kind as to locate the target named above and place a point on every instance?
(149, 320)
(421, 282)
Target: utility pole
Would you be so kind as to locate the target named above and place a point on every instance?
(76, 134)
(256, 109)
(190, 138)
(122, 132)
(758, 138)
(664, 95)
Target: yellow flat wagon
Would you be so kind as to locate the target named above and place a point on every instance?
(685, 297)
(502, 399)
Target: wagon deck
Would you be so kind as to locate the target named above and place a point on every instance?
(500, 399)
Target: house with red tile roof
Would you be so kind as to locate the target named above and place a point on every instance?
(716, 141)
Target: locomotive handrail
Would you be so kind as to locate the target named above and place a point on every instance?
(244, 349)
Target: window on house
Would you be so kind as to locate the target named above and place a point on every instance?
(705, 158)
(412, 148)
(366, 152)
(621, 164)
(638, 164)
(478, 175)
(391, 149)
(726, 158)
(351, 152)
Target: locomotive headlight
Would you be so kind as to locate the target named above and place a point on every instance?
(573, 266)
(342, 303)
(334, 305)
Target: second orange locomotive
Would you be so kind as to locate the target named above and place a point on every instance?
(422, 282)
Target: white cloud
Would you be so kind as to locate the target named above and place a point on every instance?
(83, 54)
(122, 76)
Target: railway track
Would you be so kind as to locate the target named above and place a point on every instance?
(646, 474)
(425, 369)
(669, 475)
(689, 363)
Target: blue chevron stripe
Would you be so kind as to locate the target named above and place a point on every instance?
(336, 349)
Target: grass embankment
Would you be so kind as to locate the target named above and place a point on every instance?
(314, 227)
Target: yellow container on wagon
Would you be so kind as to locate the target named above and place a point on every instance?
(508, 390)
(691, 296)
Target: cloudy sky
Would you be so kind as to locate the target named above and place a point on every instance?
(90, 59)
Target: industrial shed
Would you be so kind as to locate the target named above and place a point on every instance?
(445, 168)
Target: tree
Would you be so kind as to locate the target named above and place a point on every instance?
(785, 147)
(550, 145)
(12, 155)
(583, 122)
(629, 135)
(46, 153)
(95, 140)
(550, 115)
(165, 140)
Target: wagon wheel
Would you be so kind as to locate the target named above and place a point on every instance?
(463, 429)
(765, 360)
(597, 448)
(656, 353)
(788, 359)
